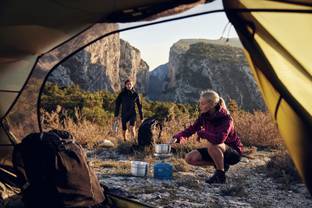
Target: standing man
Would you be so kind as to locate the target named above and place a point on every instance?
(127, 99)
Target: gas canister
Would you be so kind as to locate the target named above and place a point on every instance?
(163, 170)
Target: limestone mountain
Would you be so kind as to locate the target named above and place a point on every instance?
(132, 66)
(198, 64)
(194, 65)
(104, 65)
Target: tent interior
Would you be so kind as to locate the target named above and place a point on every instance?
(276, 36)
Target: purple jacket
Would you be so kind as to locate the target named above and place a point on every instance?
(217, 128)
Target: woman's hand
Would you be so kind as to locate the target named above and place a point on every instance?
(183, 140)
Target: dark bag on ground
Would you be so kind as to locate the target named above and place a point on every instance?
(146, 135)
(55, 172)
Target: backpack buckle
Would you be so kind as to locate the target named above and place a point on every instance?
(61, 147)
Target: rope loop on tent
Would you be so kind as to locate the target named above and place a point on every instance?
(223, 31)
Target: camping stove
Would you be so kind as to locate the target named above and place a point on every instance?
(162, 168)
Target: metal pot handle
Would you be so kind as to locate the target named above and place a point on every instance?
(146, 168)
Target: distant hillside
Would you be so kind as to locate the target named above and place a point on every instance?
(159, 77)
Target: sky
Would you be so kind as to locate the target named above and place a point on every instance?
(155, 41)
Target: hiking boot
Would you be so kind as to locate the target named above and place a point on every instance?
(218, 177)
(226, 167)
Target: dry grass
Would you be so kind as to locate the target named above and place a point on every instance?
(180, 165)
(111, 167)
(110, 164)
(84, 131)
(257, 129)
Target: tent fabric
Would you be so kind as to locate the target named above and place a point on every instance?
(278, 47)
(12, 79)
(277, 44)
(31, 29)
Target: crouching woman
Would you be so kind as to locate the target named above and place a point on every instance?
(215, 125)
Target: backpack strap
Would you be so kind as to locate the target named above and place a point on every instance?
(160, 127)
(58, 143)
(157, 124)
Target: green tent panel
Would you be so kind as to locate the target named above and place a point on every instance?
(7, 98)
(13, 75)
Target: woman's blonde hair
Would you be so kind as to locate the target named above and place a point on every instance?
(213, 97)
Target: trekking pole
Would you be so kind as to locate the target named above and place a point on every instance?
(172, 140)
(115, 127)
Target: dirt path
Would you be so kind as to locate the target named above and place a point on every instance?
(248, 185)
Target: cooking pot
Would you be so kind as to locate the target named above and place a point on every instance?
(139, 168)
(162, 148)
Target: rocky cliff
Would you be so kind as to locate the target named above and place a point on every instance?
(132, 66)
(195, 65)
(104, 65)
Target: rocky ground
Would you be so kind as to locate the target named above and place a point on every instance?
(248, 184)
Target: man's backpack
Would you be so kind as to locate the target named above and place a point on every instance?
(55, 172)
(146, 133)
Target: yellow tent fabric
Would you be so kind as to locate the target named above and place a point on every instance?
(278, 47)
